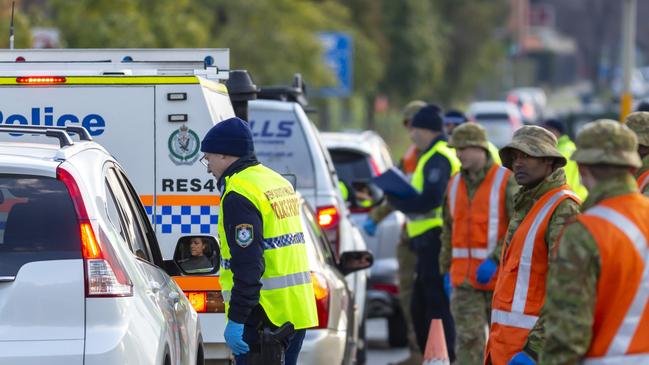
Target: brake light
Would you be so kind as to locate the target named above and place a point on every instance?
(388, 288)
(105, 276)
(321, 291)
(328, 219)
(206, 301)
(40, 80)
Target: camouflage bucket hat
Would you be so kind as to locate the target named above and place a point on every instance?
(469, 135)
(412, 108)
(639, 123)
(607, 141)
(534, 141)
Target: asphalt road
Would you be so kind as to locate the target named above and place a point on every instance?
(379, 351)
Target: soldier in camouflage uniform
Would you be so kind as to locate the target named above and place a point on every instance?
(405, 255)
(471, 302)
(639, 123)
(537, 166)
(596, 271)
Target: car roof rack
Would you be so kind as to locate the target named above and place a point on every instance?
(61, 133)
(295, 92)
(213, 62)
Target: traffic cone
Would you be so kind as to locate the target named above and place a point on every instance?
(436, 352)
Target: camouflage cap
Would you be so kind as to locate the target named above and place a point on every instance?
(607, 141)
(412, 108)
(469, 135)
(639, 123)
(534, 141)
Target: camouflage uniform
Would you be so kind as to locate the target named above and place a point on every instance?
(471, 308)
(534, 141)
(576, 264)
(639, 123)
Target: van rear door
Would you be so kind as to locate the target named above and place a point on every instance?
(42, 292)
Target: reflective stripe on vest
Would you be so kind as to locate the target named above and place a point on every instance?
(278, 282)
(420, 223)
(512, 319)
(625, 333)
(476, 253)
(643, 180)
(525, 264)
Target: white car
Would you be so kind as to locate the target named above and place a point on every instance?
(81, 278)
(332, 342)
(501, 119)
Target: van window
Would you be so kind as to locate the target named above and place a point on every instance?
(281, 144)
(38, 222)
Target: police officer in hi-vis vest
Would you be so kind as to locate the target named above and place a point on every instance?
(434, 168)
(598, 286)
(265, 275)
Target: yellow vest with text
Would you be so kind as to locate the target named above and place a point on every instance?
(420, 223)
(287, 292)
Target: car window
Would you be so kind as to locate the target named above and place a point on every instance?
(133, 229)
(113, 213)
(351, 166)
(281, 144)
(38, 222)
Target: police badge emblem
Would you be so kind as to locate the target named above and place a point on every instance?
(183, 146)
(243, 235)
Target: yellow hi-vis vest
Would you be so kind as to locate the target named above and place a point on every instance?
(287, 292)
(420, 223)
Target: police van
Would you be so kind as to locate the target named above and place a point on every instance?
(150, 109)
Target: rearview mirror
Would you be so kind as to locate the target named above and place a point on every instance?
(366, 195)
(352, 261)
(197, 255)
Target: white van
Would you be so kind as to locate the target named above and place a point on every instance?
(150, 108)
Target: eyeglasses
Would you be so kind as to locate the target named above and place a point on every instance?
(204, 161)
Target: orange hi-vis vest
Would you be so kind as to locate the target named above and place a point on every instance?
(478, 224)
(643, 180)
(519, 294)
(620, 226)
(410, 159)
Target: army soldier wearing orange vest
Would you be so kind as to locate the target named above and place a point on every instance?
(638, 122)
(477, 206)
(598, 287)
(541, 208)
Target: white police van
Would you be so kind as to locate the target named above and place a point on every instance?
(150, 109)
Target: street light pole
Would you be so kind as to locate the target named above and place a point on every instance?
(628, 55)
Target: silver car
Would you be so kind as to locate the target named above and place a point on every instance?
(81, 273)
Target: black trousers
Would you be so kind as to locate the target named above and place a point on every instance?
(429, 299)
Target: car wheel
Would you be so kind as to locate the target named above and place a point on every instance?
(361, 352)
(397, 330)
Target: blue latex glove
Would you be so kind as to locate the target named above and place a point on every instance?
(486, 271)
(234, 338)
(448, 288)
(370, 227)
(521, 358)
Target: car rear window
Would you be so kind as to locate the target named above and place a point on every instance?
(38, 222)
(281, 144)
(351, 166)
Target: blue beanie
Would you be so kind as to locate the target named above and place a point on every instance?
(428, 117)
(555, 124)
(230, 137)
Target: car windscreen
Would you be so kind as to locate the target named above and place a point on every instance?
(38, 222)
(351, 166)
(281, 144)
(499, 129)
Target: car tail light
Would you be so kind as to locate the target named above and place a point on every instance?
(329, 220)
(206, 301)
(40, 80)
(105, 275)
(386, 287)
(321, 291)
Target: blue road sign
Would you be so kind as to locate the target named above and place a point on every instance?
(338, 58)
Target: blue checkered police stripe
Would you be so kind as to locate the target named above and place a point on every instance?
(186, 219)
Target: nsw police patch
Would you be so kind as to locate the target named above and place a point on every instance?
(243, 235)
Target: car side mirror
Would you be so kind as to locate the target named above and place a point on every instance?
(366, 195)
(197, 255)
(352, 261)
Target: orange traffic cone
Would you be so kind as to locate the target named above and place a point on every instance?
(436, 353)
